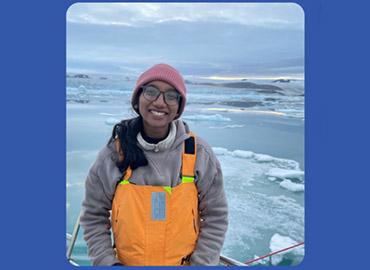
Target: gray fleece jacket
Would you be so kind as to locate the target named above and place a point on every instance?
(163, 169)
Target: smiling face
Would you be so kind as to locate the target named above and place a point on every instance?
(157, 114)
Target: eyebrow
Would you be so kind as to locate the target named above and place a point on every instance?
(169, 89)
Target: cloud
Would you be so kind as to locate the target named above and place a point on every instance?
(197, 38)
(274, 15)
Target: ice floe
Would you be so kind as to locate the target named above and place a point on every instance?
(287, 184)
(112, 121)
(284, 173)
(250, 111)
(279, 242)
(108, 114)
(206, 117)
(228, 126)
(281, 164)
(78, 184)
(290, 179)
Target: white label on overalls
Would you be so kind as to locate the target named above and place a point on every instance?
(158, 206)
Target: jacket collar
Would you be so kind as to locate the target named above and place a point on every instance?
(178, 133)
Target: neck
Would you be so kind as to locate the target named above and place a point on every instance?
(156, 133)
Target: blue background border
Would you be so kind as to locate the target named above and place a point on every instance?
(33, 134)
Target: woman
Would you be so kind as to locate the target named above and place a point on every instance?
(162, 183)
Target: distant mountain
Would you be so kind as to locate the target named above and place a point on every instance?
(265, 88)
(79, 76)
(282, 80)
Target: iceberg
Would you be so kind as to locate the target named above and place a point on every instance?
(279, 242)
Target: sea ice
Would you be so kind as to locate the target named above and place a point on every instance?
(289, 185)
(263, 158)
(279, 242)
(284, 173)
(112, 121)
(228, 126)
(256, 207)
(243, 154)
(220, 151)
(82, 89)
(108, 114)
(205, 117)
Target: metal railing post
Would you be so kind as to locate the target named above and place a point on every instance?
(230, 261)
(73, 237)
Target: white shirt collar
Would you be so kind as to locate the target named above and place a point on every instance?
(162, 145)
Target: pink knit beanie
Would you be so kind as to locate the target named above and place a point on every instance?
(161, 72)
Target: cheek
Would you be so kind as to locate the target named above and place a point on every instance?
(174, 111)
(141, 105)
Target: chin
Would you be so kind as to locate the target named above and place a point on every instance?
(157, 123)
(160, 125)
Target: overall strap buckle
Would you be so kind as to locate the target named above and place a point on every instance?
(189, 157)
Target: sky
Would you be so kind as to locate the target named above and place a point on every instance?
(246, 40)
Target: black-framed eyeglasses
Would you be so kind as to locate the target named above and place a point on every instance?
(151, 93)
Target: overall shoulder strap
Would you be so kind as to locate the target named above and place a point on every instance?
(126, 177)
(189, 156)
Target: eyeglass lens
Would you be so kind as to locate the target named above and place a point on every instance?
(151, 93)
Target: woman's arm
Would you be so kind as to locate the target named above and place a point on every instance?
(213, 213)
(95, 220)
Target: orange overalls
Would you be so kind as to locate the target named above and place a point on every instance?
(156, 225)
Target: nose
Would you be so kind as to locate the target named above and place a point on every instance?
(160, 100)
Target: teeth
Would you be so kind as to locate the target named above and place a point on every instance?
(157, 113)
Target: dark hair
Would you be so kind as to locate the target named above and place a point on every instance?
(136, 100)
(126, 131)
(180, 101)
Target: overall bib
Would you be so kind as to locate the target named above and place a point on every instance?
(157, 225)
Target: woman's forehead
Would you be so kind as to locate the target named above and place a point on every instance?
(161, 85)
